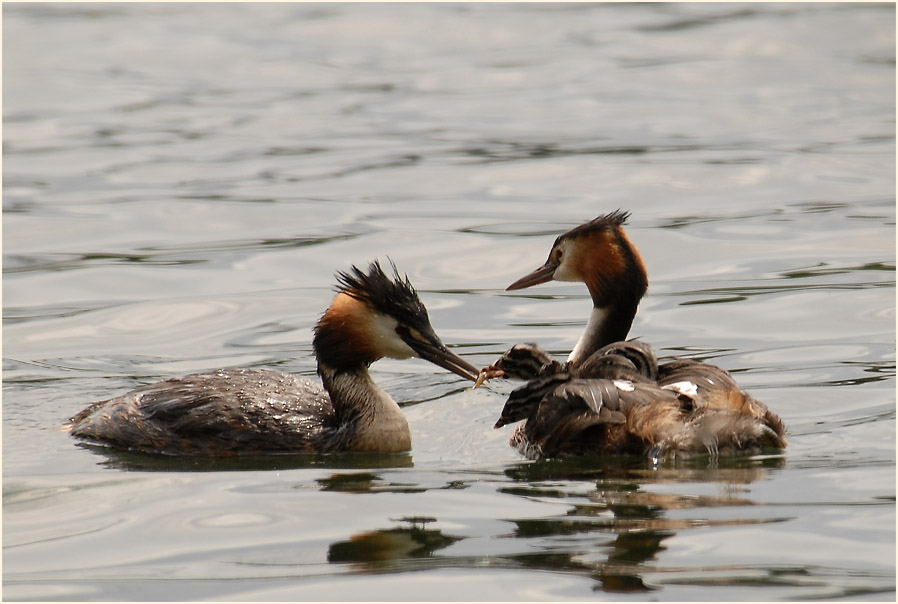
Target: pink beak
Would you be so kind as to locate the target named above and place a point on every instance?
(540, 275)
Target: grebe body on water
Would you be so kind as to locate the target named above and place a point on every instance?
(231, 411)
(612, 396)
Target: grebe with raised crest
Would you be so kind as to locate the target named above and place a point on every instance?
(231, 411)
(612, 396)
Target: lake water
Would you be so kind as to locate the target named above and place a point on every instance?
(181, 183)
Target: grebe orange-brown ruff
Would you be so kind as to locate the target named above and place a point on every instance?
(612, 396)
(260, 411)
(599, 254)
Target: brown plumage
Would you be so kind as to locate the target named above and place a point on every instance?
(613, 396)
(599, 254)
(232, 411)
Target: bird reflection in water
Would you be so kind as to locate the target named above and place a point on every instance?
(147, 462)
(365, 482)
(614, 519)
(618, 505)
(381, 549)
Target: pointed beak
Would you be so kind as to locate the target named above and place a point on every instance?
(430, 348)
(541, 275)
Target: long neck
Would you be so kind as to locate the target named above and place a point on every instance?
(368, 418)
(606, 325)
(616, 289)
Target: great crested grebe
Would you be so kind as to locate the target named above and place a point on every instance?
(260, 411)
(612, 396)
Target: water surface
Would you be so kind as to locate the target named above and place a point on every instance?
(181, 182)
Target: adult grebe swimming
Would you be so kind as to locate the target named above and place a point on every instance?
(612, 396)
(260, 411)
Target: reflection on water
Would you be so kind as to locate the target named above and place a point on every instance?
(611, 532)
(365, 483)
(390, 550)
(702, 468)
(148, 462)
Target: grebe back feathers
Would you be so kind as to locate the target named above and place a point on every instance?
(233, 411)
(681, 405)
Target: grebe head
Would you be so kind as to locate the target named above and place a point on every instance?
(599, 254)
(375, 316)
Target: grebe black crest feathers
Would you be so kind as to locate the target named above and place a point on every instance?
(391, 296)
(232, 411)
(612, 396)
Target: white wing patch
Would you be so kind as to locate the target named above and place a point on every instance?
(685, 388)
(625, 385)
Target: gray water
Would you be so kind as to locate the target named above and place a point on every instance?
(181, 183)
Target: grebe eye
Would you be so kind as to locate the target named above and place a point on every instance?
(559, 255)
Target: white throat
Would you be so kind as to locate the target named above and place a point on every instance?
(588, 341)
